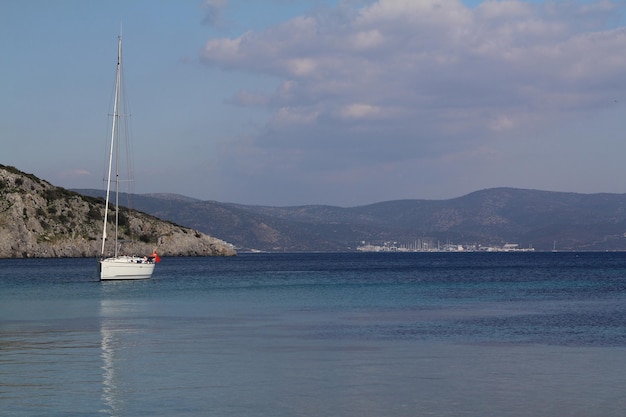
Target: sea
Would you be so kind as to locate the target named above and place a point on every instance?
(318, 334)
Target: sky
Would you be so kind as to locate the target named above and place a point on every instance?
(338, 102)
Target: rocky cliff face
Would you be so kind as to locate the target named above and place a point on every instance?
(38, 219)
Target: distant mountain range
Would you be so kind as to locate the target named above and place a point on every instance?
(493, 217)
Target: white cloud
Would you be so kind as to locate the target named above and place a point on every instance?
(502, 122)
(359, 111)
(427, 78)
(367, 39)
(300, 67)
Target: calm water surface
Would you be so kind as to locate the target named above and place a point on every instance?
(502, 334)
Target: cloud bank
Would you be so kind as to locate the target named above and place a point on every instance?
(372, 93)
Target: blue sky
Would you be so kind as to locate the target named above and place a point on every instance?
(342, 102)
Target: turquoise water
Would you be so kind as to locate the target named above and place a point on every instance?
(502, 334)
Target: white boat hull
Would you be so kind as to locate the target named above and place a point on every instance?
(125, 267)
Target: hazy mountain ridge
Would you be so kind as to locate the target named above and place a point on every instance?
(38, 219)
(489, 217)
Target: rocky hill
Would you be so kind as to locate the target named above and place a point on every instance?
(38, 219)
(493, 217)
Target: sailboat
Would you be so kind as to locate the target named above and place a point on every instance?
(120, 267)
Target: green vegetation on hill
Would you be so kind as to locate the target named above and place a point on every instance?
(38, 219)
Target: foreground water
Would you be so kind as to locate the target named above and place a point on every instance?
(497, 334)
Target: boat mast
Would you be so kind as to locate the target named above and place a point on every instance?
(114, 131)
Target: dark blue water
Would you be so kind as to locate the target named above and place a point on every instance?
(395, 334)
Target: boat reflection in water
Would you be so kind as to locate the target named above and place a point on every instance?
(110, 398)
(120, 351)
(112, 401)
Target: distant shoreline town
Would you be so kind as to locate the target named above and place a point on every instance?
(428, 246)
